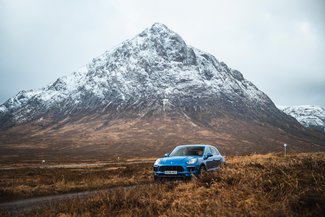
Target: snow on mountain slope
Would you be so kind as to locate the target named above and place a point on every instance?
(154, 65)
(308, 115)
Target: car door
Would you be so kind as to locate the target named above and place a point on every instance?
(209, 161)
(217, 158)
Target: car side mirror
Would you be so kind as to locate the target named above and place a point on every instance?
(207, 155)
(166, 155)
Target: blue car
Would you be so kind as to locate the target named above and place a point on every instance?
(186, 160)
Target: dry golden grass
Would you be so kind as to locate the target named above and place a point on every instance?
(256, 185)
(30, 182)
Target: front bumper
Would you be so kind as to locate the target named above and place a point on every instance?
(163, 171)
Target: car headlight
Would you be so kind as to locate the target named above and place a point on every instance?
(191, 161)
(157, 161)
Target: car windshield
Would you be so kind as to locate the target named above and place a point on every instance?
(187, 151)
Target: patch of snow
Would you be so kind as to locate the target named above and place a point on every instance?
(3, 108)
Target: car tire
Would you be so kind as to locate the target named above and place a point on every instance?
(202, 170)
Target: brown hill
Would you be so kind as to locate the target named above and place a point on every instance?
(87, 138)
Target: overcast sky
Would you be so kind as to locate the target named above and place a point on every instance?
(278, 44)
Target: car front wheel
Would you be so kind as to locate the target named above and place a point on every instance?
(202, 170)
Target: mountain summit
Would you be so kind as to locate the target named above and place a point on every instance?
(151, 91)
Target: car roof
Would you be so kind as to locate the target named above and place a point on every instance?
(194, 145)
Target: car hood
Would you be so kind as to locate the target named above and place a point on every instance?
(175, 160)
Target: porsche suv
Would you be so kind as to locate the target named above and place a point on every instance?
(186, 160)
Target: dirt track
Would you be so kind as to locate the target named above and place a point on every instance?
(38, 202)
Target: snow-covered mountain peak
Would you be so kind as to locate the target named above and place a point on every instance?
(308, 115)
(159, 30)
(159, 27)
(163, 42)
(155, 64)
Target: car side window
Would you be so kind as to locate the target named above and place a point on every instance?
(215, 151)
(208, 150)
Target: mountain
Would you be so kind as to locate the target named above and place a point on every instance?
(308, 115)
(155, 65)
(142, 98)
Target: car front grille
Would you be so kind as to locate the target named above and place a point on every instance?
(171, 168)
